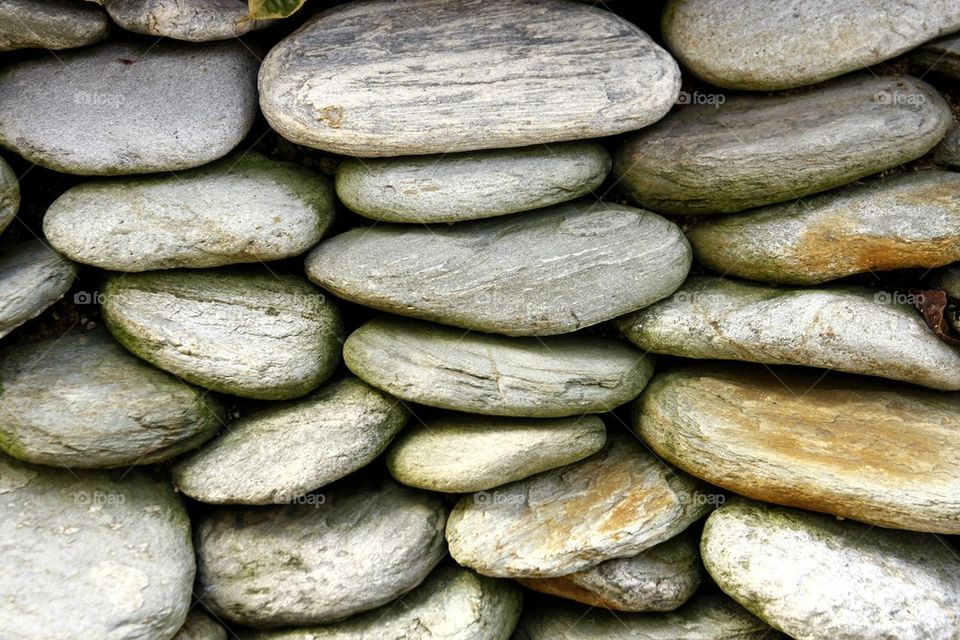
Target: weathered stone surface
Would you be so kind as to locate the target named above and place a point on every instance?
(318, 561)
(948, 279)
(553, 271)
(200, 626)
(942, 56)
(865, 449)
(766, 46)
(91, 554)
(659, 579)
(32, 277)
(82, 401)
(460, 453)
(911, 220)
(129, 108)
(452, 604)
(9, 194)
(193, 20)
(818, 578)
(285, 451)
(243, 208)
(852, 329)
(707, 617)
(755, 150)
(239, 331)
(947, 153)
(50, 24)
(547, 377)
(441, 76)
(468, 186)
(614, 504)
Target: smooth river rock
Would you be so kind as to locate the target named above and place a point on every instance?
(614, 504)
(350, 549)
(9, 195)
(905, 221)
(755, 150)
(948, 279)
(947, 153)
(91, 554)
(32, 277)
(941, 56)
(766, 46)
(193, 20)
(366, 79)
(882, 453)
(244, 332)
(468, 186)
(553, 271)
(661, 578)
(461, 453)
(243, 208)
(818, 578)
(50, 24)
(453, 603)
(82, 401)
(200, 626)
(124, 108)
(852, 329)
(277, 454)
(444, 367)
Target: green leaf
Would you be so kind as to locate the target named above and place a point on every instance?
(266, 9)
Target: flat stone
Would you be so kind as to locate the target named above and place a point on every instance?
(244, 208)
(50, 24)
(661, 578)
(548, 377)
(80, 400)
(766, 46)
(905, 221)
(371, 80)
(193, 20)
(123, 108)
(852, 329)
(942, 56)
(755, 150)
(468, 186)
(461, 453)
(800, 438)
(277, 454)
(244, 332)
(552, 271)
(947, 153)
(452, 603)
(91, 554)
(32, 277)
(816, 577)
(614, 504)
(200, 626)
(350, 549)
(9, 194)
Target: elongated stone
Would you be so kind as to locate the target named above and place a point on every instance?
(9, 194)
(193, 20)
(942, 56)
(755, 150)
(50, 24)
(442, 77)
(852, 329)
(547, 377)
(552, 271)
(32, 277)
(239, 331)
(874, 451)
(819, 578)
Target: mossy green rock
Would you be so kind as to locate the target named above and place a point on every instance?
(32, 277)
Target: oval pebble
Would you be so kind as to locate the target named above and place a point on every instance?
(193, 20)
(50, 24)
(9, 194)
(32, 277)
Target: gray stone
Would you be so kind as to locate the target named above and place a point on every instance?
(942, 56)
(277, 454)
(460, 453)
(243, 208)
(50, 24)
(9, 194)
(548, 377)
(947, 153)
(91, 555)
(452, 604)
(32, 277)
(193, 20)
(81, 400)
(244, 332)
(123, 108)
(755, 150)
(874, 451)
(440, 77)
(661, 578)
(948, 279)
(553, 271)
(350, 549)
(910, 220)
(767, 46)
(468, 186)
(819, 578)
(200, 626)
(614, 504)
(852, 329)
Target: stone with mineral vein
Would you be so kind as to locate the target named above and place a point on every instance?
(193, 20)
(32, 277)
(50, 24)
